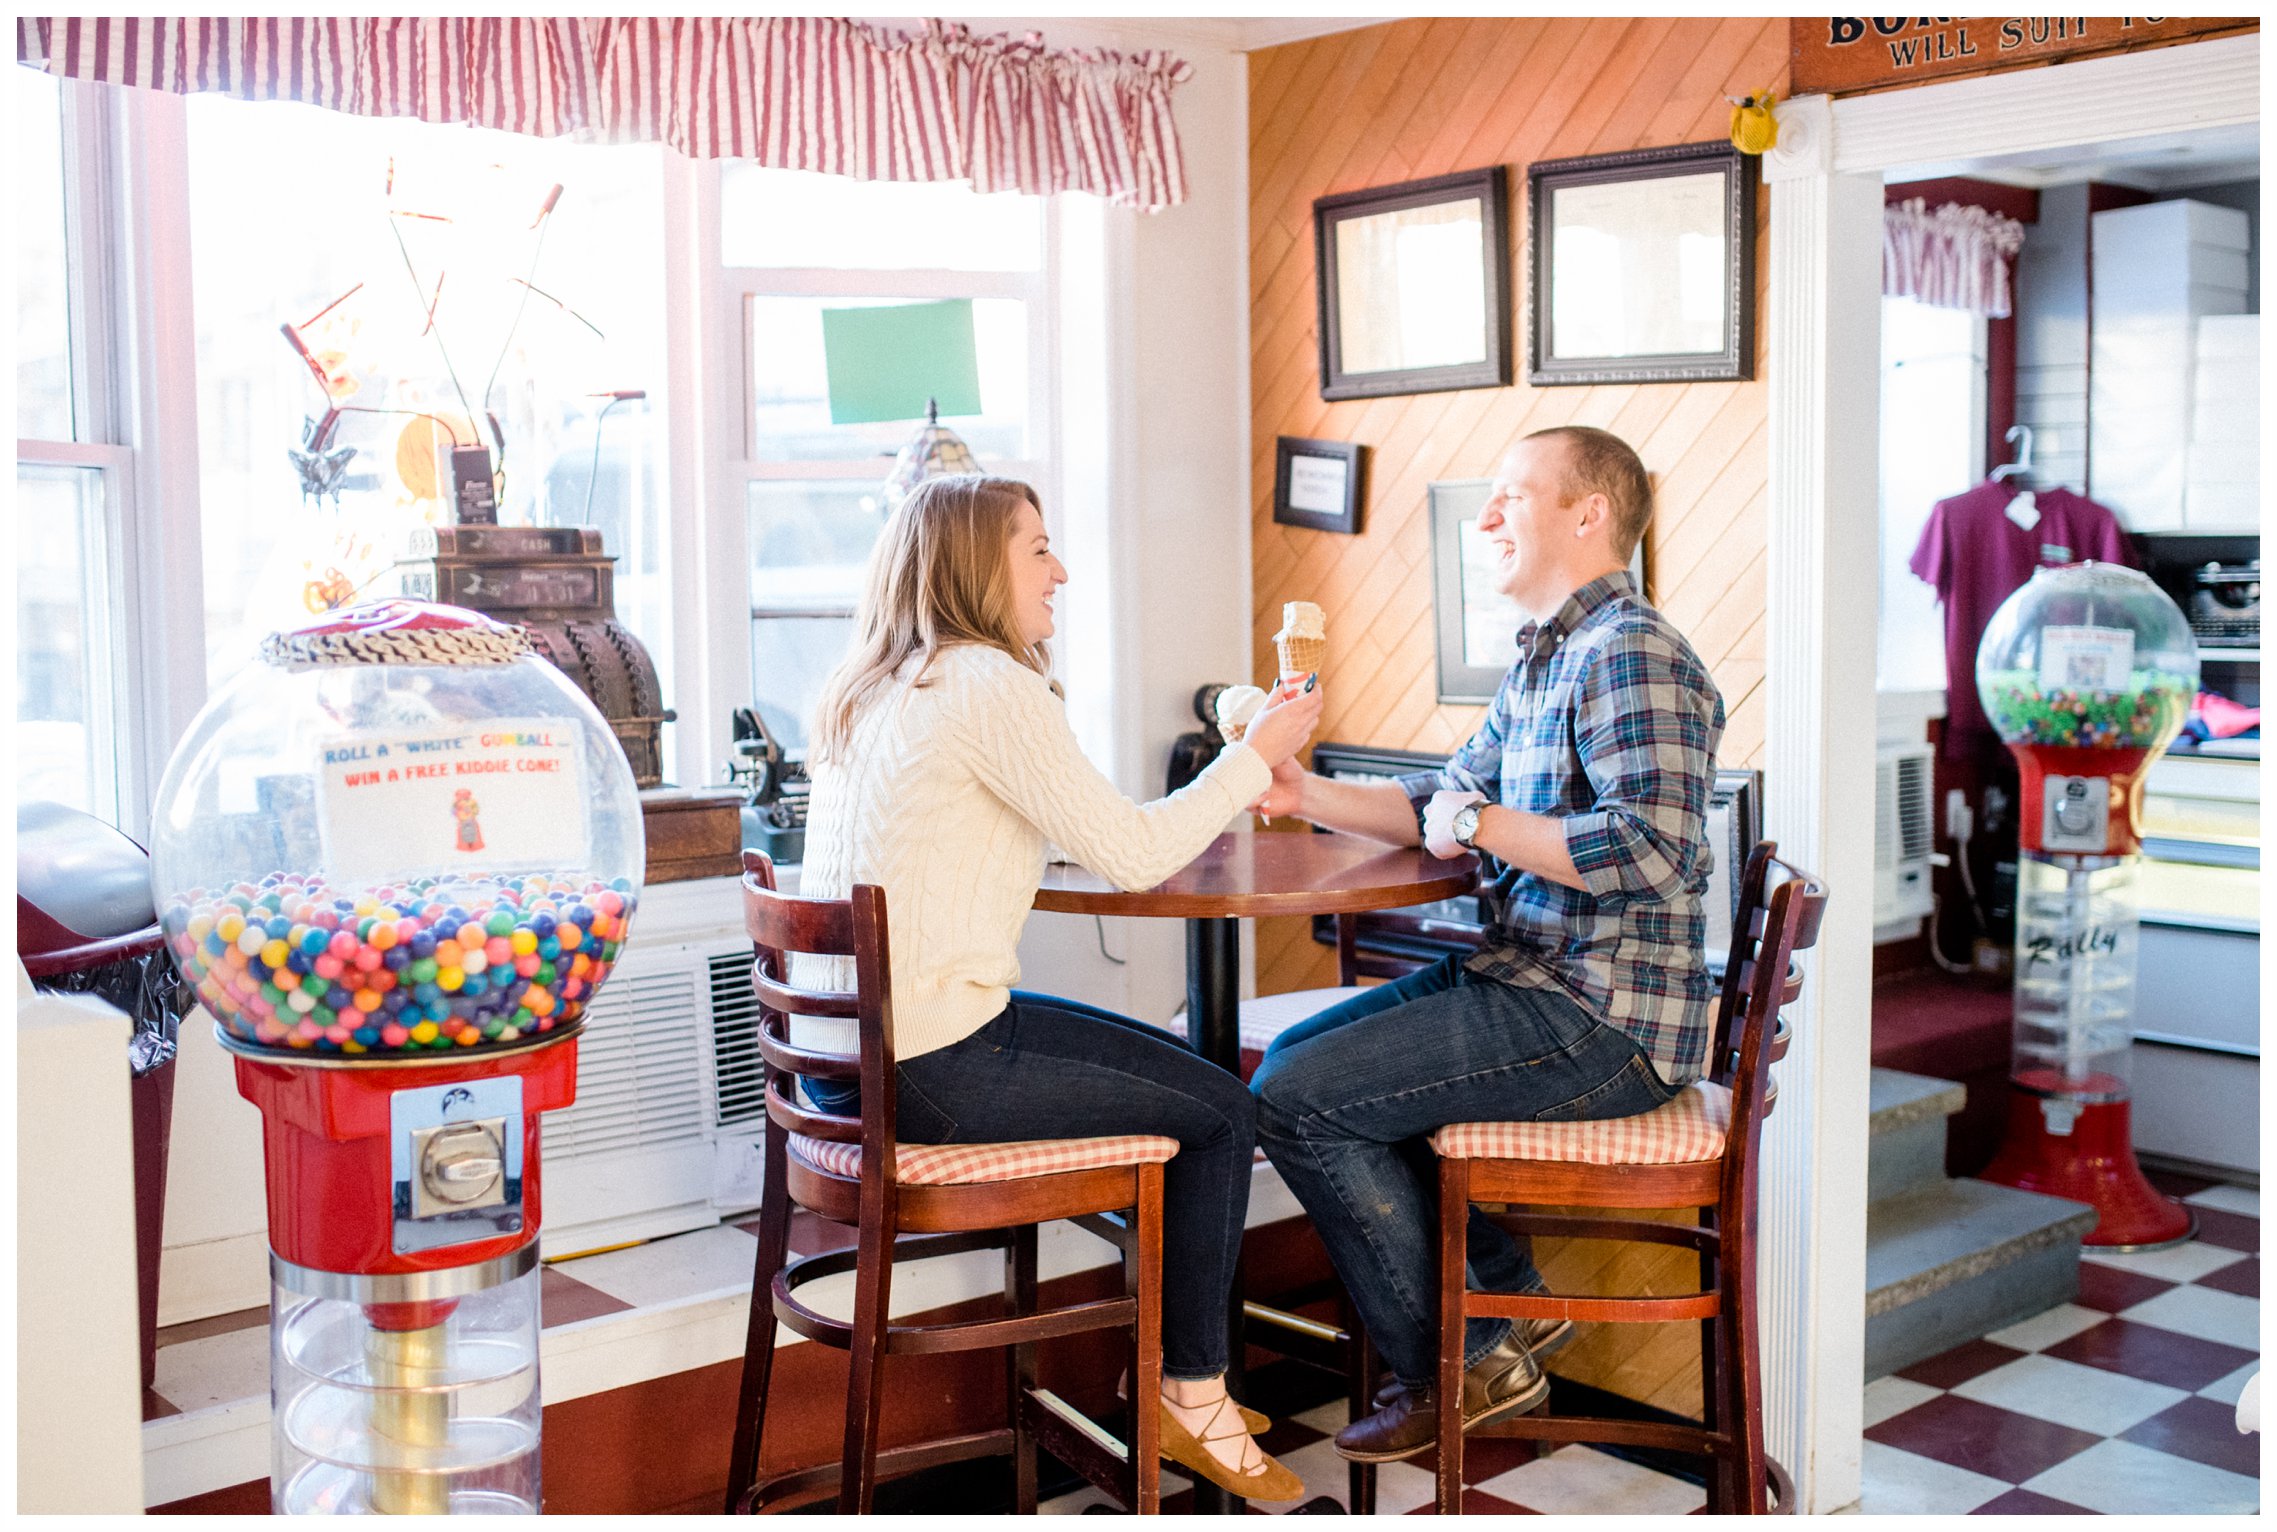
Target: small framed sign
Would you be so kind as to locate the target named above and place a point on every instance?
(1317, 484)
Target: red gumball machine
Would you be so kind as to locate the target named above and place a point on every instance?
(403, 989)
(2088, 673)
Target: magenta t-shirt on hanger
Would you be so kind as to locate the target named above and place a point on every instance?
(1977, 555)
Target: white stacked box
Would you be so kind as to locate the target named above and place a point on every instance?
(2158, 269)
(2223, 493)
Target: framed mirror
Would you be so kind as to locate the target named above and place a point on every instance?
(1641, 267)
(1413, 286)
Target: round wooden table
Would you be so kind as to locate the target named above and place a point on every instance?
(1243, 876)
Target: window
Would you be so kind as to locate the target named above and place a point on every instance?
(74, 699)
(794, 245)
(43, 304)
(480, 311)
(1933, 425)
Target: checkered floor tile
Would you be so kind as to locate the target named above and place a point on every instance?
(2122, 1402)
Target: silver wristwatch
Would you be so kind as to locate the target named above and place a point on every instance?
(1464, 826)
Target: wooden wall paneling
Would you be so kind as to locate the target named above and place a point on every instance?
(1426, 97)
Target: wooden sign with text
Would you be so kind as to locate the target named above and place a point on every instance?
(1839, 55)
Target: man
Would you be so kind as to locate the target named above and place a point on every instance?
(1584, 793)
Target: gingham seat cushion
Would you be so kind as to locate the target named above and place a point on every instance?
(970, 1164)
(1690, 1128)
(1268, 1016)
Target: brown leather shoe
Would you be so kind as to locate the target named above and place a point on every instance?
(1544, 1337)
(1506, 1381)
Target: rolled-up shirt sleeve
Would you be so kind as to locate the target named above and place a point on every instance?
(1474, 768)
(1644, 725)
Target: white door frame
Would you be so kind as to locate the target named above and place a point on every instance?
(1824, 329)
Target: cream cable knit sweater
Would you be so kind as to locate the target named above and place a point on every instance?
(945, 797)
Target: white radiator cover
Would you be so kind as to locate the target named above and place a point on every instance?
(664, 1134)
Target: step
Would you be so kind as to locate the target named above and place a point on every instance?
(1948, 1263)
(1906, 1131)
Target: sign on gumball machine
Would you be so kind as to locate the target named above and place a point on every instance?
(2088, 673)
(396, 860)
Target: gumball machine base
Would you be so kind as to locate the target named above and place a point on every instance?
(2062, 1145)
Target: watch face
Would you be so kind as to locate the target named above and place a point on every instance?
(1466, 823)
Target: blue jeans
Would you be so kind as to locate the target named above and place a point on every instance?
(1347, 1101)
(1051, 1068)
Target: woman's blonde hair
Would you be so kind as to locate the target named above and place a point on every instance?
(940, 575)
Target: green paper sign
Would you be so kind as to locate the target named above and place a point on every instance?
(885, 362)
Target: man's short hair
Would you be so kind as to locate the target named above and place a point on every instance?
(1600, 463)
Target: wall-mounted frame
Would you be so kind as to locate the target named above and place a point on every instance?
(1641, 267)
(1414, 286)
(1317, 484)
(1477, 626)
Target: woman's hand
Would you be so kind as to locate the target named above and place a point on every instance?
(1280, 730)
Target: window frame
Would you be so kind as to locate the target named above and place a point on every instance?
(732, 290)
(123, 625)
(133, 318)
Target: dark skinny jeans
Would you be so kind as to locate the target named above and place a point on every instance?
(1051, 1068)
(1347, 1101)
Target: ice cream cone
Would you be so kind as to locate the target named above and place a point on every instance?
(1233, 732)
(1300, 656)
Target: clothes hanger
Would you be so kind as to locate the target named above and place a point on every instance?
(2024, 508)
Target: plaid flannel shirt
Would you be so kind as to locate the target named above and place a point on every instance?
(1609, 722)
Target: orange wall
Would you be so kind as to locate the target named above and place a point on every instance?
(1420, 98)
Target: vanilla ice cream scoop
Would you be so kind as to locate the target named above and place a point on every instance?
(1302, 619)
(1237, 705)
(1302, 643)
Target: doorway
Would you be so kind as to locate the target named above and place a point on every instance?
(1826, 189)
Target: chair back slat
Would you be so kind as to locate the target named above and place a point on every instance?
(780, 925)
(775, 995)
(1761, 979)
(787, 923)
(787, 1057)
(792, 1115)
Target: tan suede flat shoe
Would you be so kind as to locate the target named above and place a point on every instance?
(1256, 1422)
(1271, 1481)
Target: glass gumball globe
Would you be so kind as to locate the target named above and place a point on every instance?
(2088, 656)
(400, 833)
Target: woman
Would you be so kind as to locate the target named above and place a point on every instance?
(942, 765)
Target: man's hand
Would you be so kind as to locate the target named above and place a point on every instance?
(1439, 823)
(1286, 795)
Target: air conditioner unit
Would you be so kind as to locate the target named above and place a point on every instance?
(666, 1129)
(1903, 790)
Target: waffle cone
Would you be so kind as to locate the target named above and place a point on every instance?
(1234, 731)
(1301, 656)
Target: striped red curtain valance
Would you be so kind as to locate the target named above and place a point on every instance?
(1956, 257)
(792, 92)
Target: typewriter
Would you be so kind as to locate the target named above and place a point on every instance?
(2225, 605)
(775, 785)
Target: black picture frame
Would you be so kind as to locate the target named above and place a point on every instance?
(1291, 484)
(1340, 376)
(1467, 616)
(1734, 359)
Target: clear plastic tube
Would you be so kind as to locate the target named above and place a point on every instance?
(388, 1410)
(2076, 934)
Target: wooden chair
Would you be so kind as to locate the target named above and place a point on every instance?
(948, 1198)
(1698, 1151)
